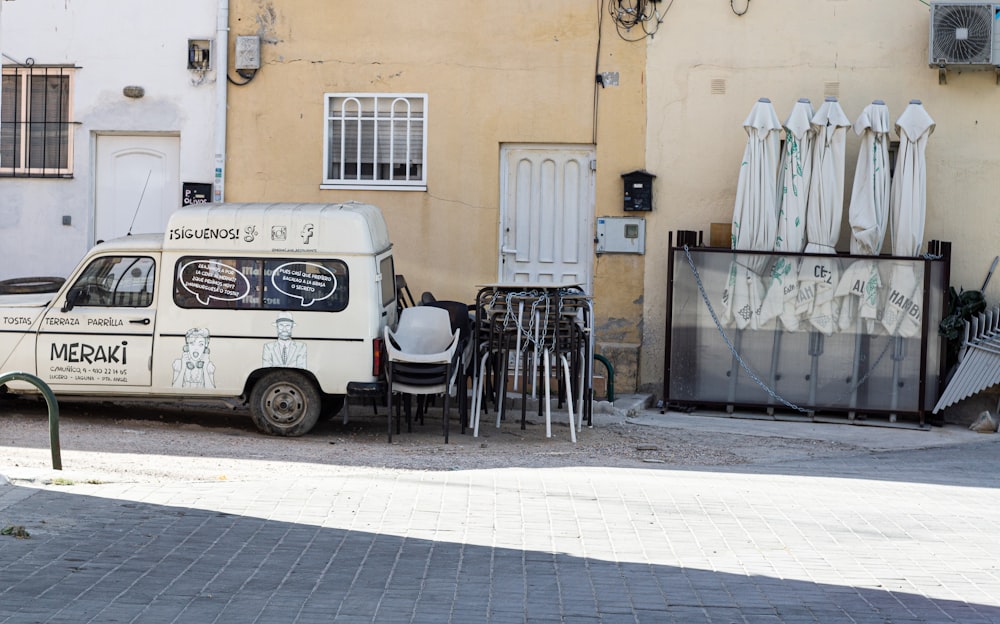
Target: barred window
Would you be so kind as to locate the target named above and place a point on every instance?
(375, 141)
(36, 137)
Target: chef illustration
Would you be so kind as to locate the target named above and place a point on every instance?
(284, 351)
(194, 368)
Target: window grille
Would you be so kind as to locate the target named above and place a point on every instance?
(36, 138)
(375, 141)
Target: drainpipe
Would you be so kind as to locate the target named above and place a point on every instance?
(1, 48)
(221, 103)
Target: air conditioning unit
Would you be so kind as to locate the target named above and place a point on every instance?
(964, 35)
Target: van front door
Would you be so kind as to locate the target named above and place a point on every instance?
(101, 332)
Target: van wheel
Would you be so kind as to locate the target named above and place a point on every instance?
(285, 403)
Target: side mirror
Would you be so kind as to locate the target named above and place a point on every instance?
(72, 297)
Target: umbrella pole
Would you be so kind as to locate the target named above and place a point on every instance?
(815, 350)
(775, 350)
(898, 355)
(734, 370)
(856, 370)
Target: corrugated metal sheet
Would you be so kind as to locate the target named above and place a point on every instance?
(979, 361)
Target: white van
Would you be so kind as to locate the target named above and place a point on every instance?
(277, 305)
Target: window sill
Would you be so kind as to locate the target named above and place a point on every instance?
(370, 187)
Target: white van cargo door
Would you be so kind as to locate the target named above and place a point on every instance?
(101, 332)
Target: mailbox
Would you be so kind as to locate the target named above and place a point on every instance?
(638, 190)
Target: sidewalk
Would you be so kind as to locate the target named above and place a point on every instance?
(902, 534)
(871, 435)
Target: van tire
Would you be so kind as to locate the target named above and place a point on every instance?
(285, 403)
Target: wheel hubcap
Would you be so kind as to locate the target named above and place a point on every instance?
(284, 405)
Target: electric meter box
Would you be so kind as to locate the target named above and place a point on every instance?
(638, 190)
(621, 235)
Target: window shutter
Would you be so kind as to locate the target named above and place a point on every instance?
(48, 110)
(10, 130)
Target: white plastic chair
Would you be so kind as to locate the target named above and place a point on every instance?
(421, 357)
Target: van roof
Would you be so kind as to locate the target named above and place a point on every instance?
(344, 228)
(132, 243)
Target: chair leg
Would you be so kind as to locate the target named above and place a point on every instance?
(444, 415)
(548, 395)
(478, 388)
(569, 399)
(388, 414)
(524, 390)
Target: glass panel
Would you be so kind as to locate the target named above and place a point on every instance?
(49, 110)
(388, 272)
(840, 333)
(115, 281)
(10, 129)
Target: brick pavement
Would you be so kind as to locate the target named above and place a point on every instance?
(907, 536)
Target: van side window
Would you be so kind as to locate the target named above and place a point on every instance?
(388, 272)
(115, 282)
(261, 284)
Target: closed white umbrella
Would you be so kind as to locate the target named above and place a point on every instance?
(794, 173)
(754, 215)
(818, 278)
(908, 211)
(754, 224)
(868, 215)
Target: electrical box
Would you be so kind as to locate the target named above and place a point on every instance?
(621, 235)
(638, 190)
(247, 52)
(199, 54)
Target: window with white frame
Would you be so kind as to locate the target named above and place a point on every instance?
(36, 134)
(375, 141)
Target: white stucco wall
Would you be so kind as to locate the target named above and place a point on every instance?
(707, 67)
(114, 43)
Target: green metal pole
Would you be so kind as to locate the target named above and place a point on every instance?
(611, 376)
(50, 401)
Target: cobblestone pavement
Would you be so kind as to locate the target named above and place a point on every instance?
(905, 535)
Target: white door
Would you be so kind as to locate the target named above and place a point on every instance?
(137, 184)
(546, 214)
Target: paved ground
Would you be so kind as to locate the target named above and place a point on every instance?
(905, 532)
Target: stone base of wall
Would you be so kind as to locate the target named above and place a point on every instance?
(624, 357)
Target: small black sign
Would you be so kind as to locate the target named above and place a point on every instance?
(196, 193)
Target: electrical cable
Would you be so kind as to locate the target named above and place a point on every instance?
(247, 80)
(628, 14)
(597, 68)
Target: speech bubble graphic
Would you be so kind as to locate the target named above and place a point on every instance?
(304, 280)
(208, 279)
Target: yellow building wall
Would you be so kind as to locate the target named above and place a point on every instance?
(707, 66)
(518, 71)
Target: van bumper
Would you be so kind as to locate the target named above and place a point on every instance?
(366, 389)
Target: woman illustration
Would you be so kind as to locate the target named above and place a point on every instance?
(194, 369)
